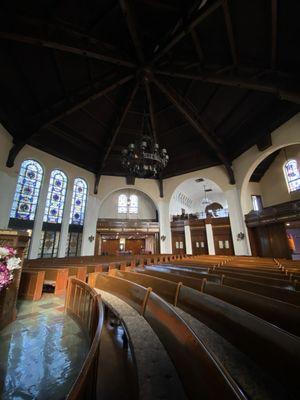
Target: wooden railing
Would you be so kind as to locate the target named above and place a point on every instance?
(85, 305)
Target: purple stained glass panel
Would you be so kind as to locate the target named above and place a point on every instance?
(27, 191)
(78, 202)
(56, 197)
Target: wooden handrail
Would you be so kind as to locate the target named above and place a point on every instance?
(83, 303)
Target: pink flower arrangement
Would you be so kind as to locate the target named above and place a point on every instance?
(8, 263)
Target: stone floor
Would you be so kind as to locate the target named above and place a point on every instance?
(41, 353)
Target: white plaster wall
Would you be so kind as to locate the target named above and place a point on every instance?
(146, 207)
(273, 184)
(287, 134)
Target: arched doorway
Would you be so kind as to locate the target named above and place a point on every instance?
(199, 218)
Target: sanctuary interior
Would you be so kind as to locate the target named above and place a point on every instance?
(149, 200)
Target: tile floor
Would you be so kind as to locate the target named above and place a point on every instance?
(41, 353)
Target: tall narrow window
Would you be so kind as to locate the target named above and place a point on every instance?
(133, 204)
(292, 175)
(79, 199)
(56, 197)
(78, 202)
(53, 214)
(122, 204)
(256, 202)
(27, 191)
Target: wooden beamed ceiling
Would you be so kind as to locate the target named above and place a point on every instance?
(217, 77)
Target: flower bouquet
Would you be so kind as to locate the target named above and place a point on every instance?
(8, 263)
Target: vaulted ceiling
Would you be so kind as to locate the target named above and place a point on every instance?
(217, 77)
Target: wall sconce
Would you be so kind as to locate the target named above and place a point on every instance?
(240, 236)
(91, 238)
(163, 238)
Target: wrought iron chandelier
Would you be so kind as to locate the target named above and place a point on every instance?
(144, 159)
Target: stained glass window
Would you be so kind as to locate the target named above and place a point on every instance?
(27, 191)
(56, 197)
(292, 175)
(133, 205)
(122, 204)
(78, 202)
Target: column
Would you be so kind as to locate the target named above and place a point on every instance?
(8, 186)
(38, 221)
(210, 239)
(164, 227)
(188, 240)
(237, 223)
(90, 226)
(64, 230)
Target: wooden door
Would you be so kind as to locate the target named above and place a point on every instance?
(199, 241)
(110, 247)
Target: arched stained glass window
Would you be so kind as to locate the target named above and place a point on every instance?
(56, 197)
(292, 175)
(134, 204)
(27, 191)
(78, 202)
(122, 204)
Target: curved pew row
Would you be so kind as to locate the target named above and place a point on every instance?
(156, 375)
(200, 372)
(284, 315)
(289, 296)
(243, 330)
(279, 280)
(84, 304)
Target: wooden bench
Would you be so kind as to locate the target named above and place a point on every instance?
(200, 372)
(55, 277)
(261, 341)
(31, 285)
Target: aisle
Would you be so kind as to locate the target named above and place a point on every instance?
(41, 353)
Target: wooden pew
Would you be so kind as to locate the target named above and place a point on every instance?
(261, 341)
(201, 373)
(56, 277)
(31, 285)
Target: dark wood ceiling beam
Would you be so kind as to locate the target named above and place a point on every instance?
(190, 116)
(197, 46)
(183, 31)
(59, 73)
(88, 99)
(23, 140)
(230, 33)
(92, 116)
(274, 14)
(114, 133)
(128, 12)
(84, 51)
(74, 138)
(151, 109)
(160, 5)
(98, 21)
(233, 81)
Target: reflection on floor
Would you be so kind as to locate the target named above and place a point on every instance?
(41, 353)
(117, 373)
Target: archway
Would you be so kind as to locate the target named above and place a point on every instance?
(127, 223)
(199, 219)
(269, 197)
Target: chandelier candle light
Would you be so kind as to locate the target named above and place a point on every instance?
(143, 159)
